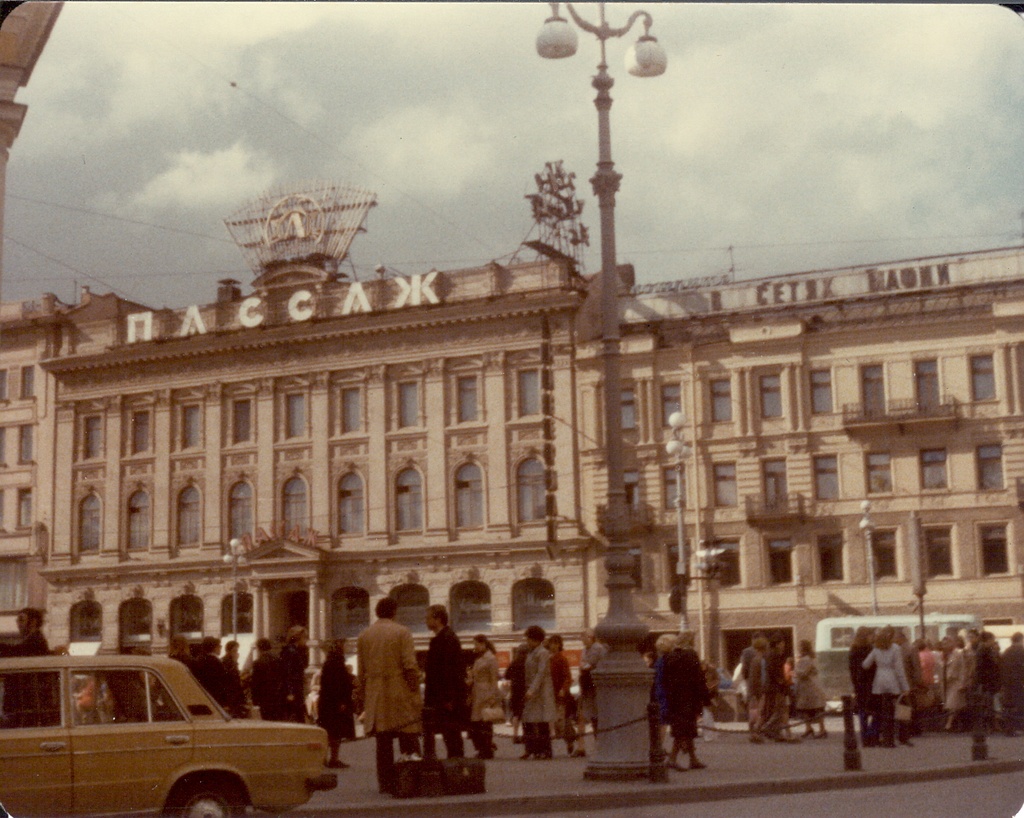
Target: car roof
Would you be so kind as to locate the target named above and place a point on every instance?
(112, 660)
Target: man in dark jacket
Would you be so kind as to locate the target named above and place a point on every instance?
(776, 689)
(267, 683)
(30, 628)
(294, 661)
(234, 695)
(445, 694)
(209, 670)
(1011, 673)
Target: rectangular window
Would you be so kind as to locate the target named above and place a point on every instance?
(771, 396)
(25, 444)
(2, 516)
(466, 389)
(780, 562)
(926, 384)
(631, 481)
(3, 384)
(938, 552)
(983, 378)
(826, 477)
(669, 480)
(528, 390)
(408, 404)
(295, 415)
(872, 390)
(728, 562)
(883, 543)
(351, 409)
(139, 431)
(241, 421)
(28, 381)
(3, 444)
(24, 508)
(725, 484)
(13, 584)
(933, 469)
(191, 427)
(92, 436)
(773, 473)
(31, 700)
(628, 403)
(994, 557)
(830, 557)
(879, 472)
(821, 391)
(671, 401)
(721, 400)
(990, 467)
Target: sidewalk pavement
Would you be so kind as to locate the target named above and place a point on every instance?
(735, 769)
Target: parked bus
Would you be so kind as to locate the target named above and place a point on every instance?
(835, 635)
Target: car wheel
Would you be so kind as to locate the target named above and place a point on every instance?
(219, 800)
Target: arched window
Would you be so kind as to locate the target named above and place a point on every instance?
(135, 623)
(530, 491)
(227, 627)
(350, 612)
(470, 606)
(350, 504)
(533, 603)
(294, 504)
(188, 517)
(89, 524)
(138, 520)
(408, 501)
(85, 621)
(187, 617)
(469, 497)
(240, 510)
(413, 601)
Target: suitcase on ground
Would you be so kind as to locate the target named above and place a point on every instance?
(463, 776)
(418, 779)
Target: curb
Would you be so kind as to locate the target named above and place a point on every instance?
(480, 806)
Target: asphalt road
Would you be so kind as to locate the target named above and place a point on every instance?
(995, 796)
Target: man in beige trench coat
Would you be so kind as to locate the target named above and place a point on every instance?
(389, 685)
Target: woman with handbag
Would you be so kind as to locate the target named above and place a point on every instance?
(809, 697)
(484, 697)
(890, 682)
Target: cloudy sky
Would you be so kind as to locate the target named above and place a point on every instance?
(803, 136)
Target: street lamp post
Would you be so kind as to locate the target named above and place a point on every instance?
(235, 555)
(622, 680)
(868, 528)
(677, 447)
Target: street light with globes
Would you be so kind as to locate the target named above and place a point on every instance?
(622, 680)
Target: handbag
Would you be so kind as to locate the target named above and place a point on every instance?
(904, 712)
(493, 713)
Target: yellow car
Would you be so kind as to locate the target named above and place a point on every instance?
(132, 734)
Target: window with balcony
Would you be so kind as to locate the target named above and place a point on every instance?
(295, 414)
(725, 484)
(350, 504)
(191, 426)
(408, 404)
(92, 436)
(671, 401)
(780, 561)
(771, 396)
(728, 562)
(530, 491)
(879, 472)
(139, 431)
(933, 469)
(830, 557)
(631, 485)
(628, 404)
(188, 517)
(351, 409)
(872, 390)
(938, 552)
(89, 524)
(409, 501)
(983, 378)
(821, 391)
(926, 385)
(241, 420)
(773, 473)
(994, 555)
(528, 392)
(138, 521)
(466, 399)
(883, 544)
(990, 467)
(469, 496)
(826, 477)
(721, 400)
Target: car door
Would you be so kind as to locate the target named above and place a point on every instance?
(128, 738)
(35, 747)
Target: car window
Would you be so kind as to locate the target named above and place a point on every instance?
(162, 704)
(29, 699)
(121, 697)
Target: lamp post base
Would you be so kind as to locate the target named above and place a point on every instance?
(622, 742)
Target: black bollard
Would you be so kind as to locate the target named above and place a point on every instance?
(851, 750)
(979, 742)
(658, 773)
